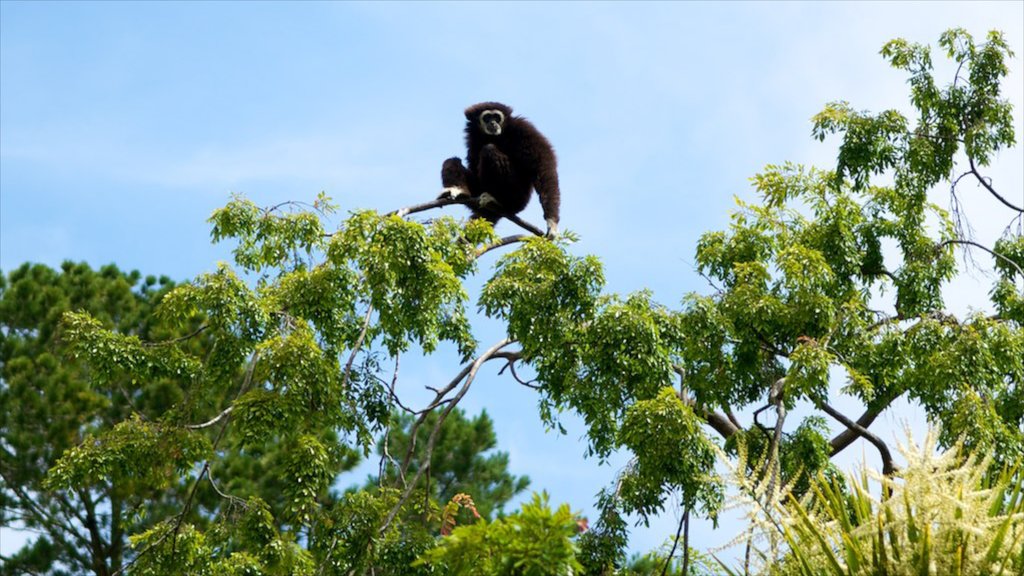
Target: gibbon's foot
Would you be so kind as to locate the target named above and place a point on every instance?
(552, 229)
(489, 202)
(452, 192)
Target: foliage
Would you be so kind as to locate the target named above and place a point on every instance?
(49, 404)
(944, 513)
(535, 541)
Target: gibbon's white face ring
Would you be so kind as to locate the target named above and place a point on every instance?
(492, 128)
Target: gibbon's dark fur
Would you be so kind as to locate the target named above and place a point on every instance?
(506, 166)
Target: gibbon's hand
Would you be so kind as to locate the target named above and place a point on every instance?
(489, 202)
(552, 228)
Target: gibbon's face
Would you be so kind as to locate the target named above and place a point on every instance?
(492, 122)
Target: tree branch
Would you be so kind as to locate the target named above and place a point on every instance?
(470, 375)
(883, 450)
(684, 521)
(718, 422)
(465, 201)
(357, 346)
(211, 422)
(974, 170)
(995, 254)
(503, 242)
(173, 534)
(845, 438)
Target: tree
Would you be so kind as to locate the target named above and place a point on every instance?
(47, 406)
(829, 270)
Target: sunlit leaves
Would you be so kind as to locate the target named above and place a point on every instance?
(671, 454)
(535, 541)
(412, 275)
(308, 472)
(270, 238)
(115, 356)
(1008, 292)
(144, 453)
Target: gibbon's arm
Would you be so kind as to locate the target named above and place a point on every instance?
(550, 197)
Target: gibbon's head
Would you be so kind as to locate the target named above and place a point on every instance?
(489, 117)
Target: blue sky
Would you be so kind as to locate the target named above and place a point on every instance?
(123, 126)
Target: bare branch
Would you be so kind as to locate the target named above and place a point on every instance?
(465, 201)
(776, 396)
(173, 534)
(512, 358)
(883, 450)
(845, 438)
(684, 521)
(215, 419)
(988, 186)
(995, 254)
(470, 375)
(503, 242)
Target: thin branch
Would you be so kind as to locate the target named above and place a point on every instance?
(886, 320)
(684, 521)
(465, 201)
(228, 497)
(432, 441)
(985, 249)
(437, 203)
(197, 332)
(883, 450)
(985, 183)
(776, 395)
(500, 243)
(385, 456)
(215, 419)
(357, 346)
(512, 358)
(686, 543)
(246, 382)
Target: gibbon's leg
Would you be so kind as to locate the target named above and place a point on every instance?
(498, 180)
(491, 217)
(454, 179)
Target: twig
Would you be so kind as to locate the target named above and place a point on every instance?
(469, 377)
(684, 521)
(992, 190)
(984, 248)
(215, 419)
(357, 346)
(503, 242)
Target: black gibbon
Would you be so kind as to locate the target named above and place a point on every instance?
(507, 157)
